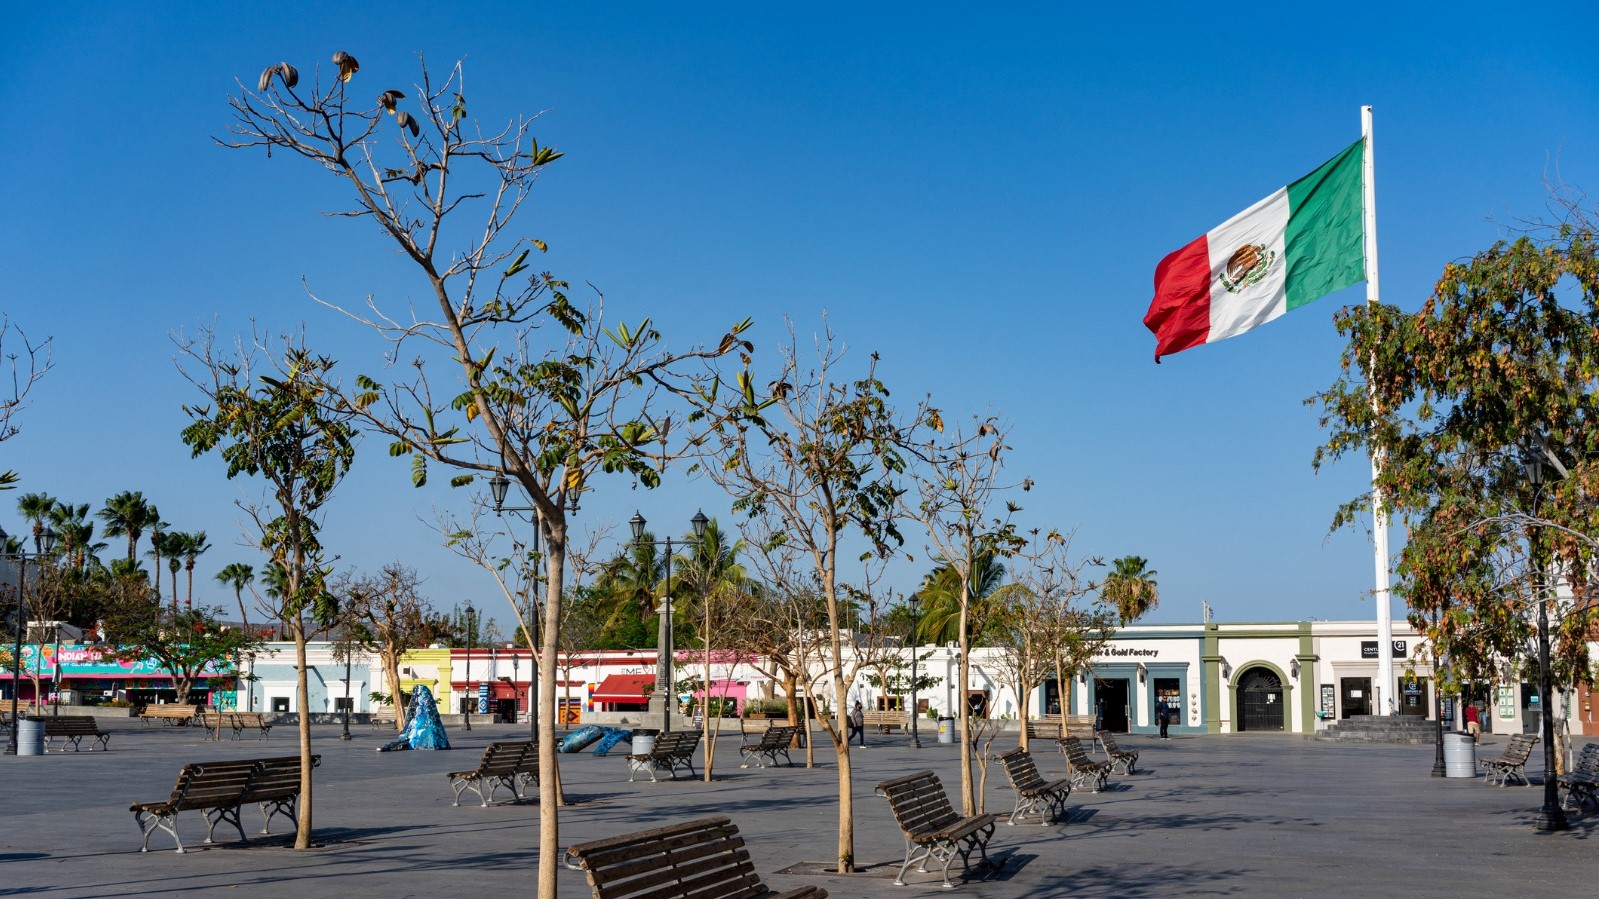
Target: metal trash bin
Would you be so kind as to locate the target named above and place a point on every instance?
(946, 730)
(1460, 755)
(30, 736)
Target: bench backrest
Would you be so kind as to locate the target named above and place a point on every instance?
(1107, 740)
(919, 802)
(676, 742)
(1021, 769)
(70, 725)
(168, 711)
(1047, 728)
(211, 784)
(275, 778)
(697, 858)
(505, 757)
(1076, 756)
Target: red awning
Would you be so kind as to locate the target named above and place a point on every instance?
(632, 688)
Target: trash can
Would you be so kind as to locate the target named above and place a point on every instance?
(1460, 755)
(643, 742)
(30, 736)
(946, 730)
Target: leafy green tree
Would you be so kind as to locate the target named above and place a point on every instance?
(129, 514)
(626, 592)
(277, 427)
(1130, 587)
(36, 509)
(238, 575)
(186, 643)
(1449, 401)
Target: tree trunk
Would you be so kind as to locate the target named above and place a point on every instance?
(302, 834)
(391, 665)
(549, 773)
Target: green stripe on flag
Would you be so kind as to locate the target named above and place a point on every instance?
(1325, 240)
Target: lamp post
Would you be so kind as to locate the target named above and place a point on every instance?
(916, 620)
(1440, 668)
(1551, 817)
(466, 708)
(663, 637)
(44, 543)
(498, 486)
(347, 648)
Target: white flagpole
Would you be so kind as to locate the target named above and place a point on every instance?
(1379, 512)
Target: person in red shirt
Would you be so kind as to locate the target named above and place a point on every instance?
(1473, 722)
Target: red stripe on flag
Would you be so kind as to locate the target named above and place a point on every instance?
(1179, 315)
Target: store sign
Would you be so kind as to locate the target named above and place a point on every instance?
(78, 661)
(1368, 649)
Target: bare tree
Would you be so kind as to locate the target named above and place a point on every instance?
(1042, 611)
(24, 362)
(545, 392)
(814, 460)
(955, 490)
(389, 606)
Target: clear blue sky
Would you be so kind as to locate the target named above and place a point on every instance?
(980, 194)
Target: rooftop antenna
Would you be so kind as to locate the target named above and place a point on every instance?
(1207, 610)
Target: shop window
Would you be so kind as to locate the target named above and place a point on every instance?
(1171, 690)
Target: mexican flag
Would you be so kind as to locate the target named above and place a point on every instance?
(1301, 243)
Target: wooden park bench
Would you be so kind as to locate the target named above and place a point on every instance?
(172, 714)
(885, 721)
(671, 750)
(504, 763)
(773, 742)
(1126, 759)
(237, 722)
(933, 831)
(704, 858)
(1084, 771)
(1512, 765)
(219, 790)
(1034, 794)
(71, 729)
(1046, 727)
(1580, 783)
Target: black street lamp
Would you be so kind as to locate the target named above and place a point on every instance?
(1551, 817)
(499, 485)
(663, 637)
(466, 708)
(916, 619)
(44, 543)
(348, 647)
(1440, 667)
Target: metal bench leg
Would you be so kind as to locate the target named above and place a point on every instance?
(284, 807)
(911, 855)
(230, 815)
(168, 823)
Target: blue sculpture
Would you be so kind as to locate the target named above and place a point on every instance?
(423, 729)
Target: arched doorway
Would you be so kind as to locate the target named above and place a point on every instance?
(1260, 700)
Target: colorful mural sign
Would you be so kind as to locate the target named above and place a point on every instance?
(82, 661)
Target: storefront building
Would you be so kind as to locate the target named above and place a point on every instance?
(92, 675)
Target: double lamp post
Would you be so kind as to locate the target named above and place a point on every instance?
(661, 697)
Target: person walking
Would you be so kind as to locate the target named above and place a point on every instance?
(1163, 715)
(857, 723)
(1473, 722)
(1099, 714)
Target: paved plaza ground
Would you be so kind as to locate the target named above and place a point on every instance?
(1227, 815)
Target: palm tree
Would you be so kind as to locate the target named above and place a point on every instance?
(127, 515)
(1130, 588)
(158, 549)
(191, 547)
(72, 524)
(626, 589)
(36, 508)
(238, 576)
(941, 600)
(709, 567)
